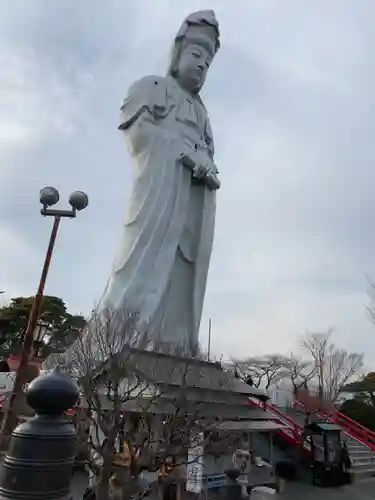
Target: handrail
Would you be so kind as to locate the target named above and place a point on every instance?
(355, 423)
(275, 410)
(361, 434)
(351, 427)
(295, 428)
(342, 416)
(359, 431)
(337, 413)
(317, 413)
(282, 415)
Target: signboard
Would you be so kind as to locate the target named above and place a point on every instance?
(194, 468)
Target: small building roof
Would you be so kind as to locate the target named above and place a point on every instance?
(323, 427)
(249, 425)
(169, 370)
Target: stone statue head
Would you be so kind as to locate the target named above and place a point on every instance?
(194, 48)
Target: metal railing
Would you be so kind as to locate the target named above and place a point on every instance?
(292, 431)
(350, 426)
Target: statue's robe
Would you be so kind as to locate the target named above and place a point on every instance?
(160, 270)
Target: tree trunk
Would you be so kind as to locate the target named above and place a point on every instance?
(102, 489)
(321, 392)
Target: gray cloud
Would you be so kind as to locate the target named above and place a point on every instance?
(290, 96)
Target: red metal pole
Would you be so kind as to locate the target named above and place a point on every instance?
(9, 420)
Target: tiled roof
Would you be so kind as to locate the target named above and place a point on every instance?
(168, 370)
(249, 425)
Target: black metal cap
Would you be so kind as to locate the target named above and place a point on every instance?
(52, 394)
(233, 473)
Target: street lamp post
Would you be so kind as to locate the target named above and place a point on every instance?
(49, 196)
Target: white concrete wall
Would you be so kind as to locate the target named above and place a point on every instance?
(281, 397)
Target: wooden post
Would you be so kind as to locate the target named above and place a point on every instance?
(271, 450)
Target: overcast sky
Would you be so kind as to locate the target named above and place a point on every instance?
(291, 100)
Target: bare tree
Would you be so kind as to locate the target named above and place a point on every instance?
(371, 294)
(261, 371)
(121, 394)
(100, 360)
(334, 367)
(299, 371)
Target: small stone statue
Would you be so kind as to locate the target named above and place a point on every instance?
(160, 270)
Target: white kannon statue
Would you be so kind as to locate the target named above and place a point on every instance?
(160, 270)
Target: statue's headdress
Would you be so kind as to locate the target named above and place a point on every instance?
(200, 28)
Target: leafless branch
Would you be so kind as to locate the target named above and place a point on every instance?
(299, 371)
(334, 367)
(265, 370)
(120, 393)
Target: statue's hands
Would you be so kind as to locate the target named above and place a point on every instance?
(207, 175)
(212, 181)
(205, 172)
(201, 171)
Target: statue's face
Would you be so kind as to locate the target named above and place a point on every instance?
(192, 67)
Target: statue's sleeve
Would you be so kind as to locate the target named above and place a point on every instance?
(147, 95)
(209, 138)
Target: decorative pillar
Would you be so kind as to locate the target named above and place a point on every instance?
(233, 489)
(40, 458)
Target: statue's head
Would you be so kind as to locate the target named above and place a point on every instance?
(193, 50)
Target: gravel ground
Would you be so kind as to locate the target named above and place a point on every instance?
(362, 491)
(293, 491)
